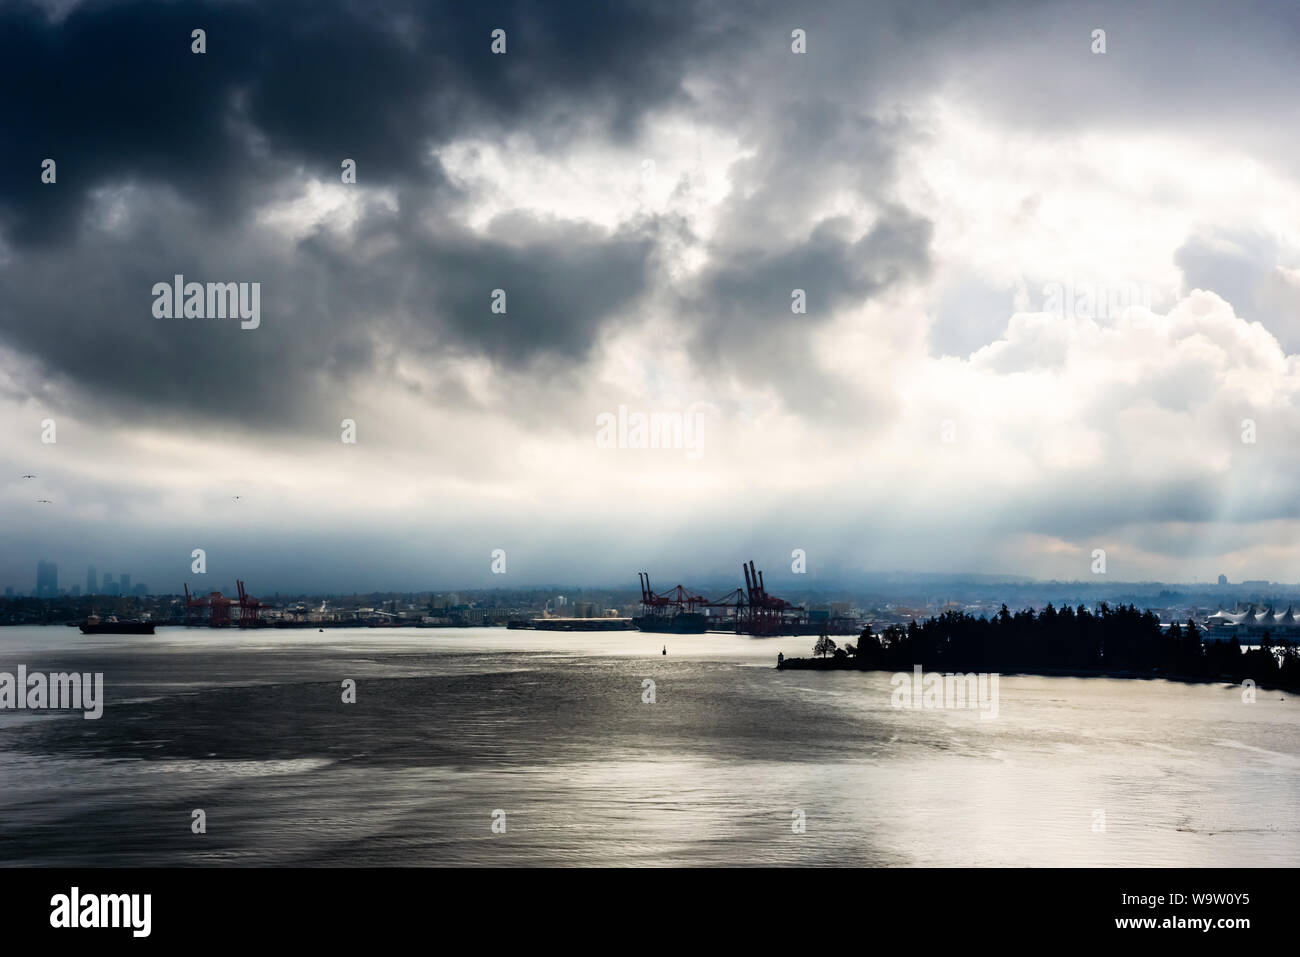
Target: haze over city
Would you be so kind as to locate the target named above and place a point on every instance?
(1050, 301)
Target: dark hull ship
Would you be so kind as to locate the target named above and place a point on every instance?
(94, 625)
(683, 623)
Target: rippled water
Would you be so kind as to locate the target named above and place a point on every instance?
(452, 725)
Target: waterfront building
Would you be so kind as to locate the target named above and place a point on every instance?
(1252, 623)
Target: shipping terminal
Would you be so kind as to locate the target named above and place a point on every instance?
(748, 610)
(744, 611)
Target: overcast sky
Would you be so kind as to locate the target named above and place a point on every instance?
(648, 183)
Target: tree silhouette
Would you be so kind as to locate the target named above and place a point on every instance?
(1117, 640)
(824, 646)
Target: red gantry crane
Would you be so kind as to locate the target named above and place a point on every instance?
(766, 614)
(220, 605)
(750, 610)
(194, 608)
(216, 609)
(250, 608)
(674, 601)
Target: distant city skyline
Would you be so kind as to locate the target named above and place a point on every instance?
(47, 583)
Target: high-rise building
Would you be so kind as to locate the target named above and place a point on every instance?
(92, 581)
(125, 580)
(9, 591)
(75, 591)
(47, 579)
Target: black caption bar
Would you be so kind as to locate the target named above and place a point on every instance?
(151, 907)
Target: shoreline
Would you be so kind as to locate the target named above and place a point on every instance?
(840, 664)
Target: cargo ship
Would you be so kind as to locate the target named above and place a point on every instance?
(111, 625)
(571, 624)
(672, 613)
(682, 623)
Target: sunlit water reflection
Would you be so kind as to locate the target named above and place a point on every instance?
(452, 725)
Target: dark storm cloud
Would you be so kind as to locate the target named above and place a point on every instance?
(813, 145)
(330, 317)
(835, 272)
(558, 293)
(747, 324)
(113, 93)
(83, 314)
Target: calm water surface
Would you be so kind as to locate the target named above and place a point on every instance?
(452, 725)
